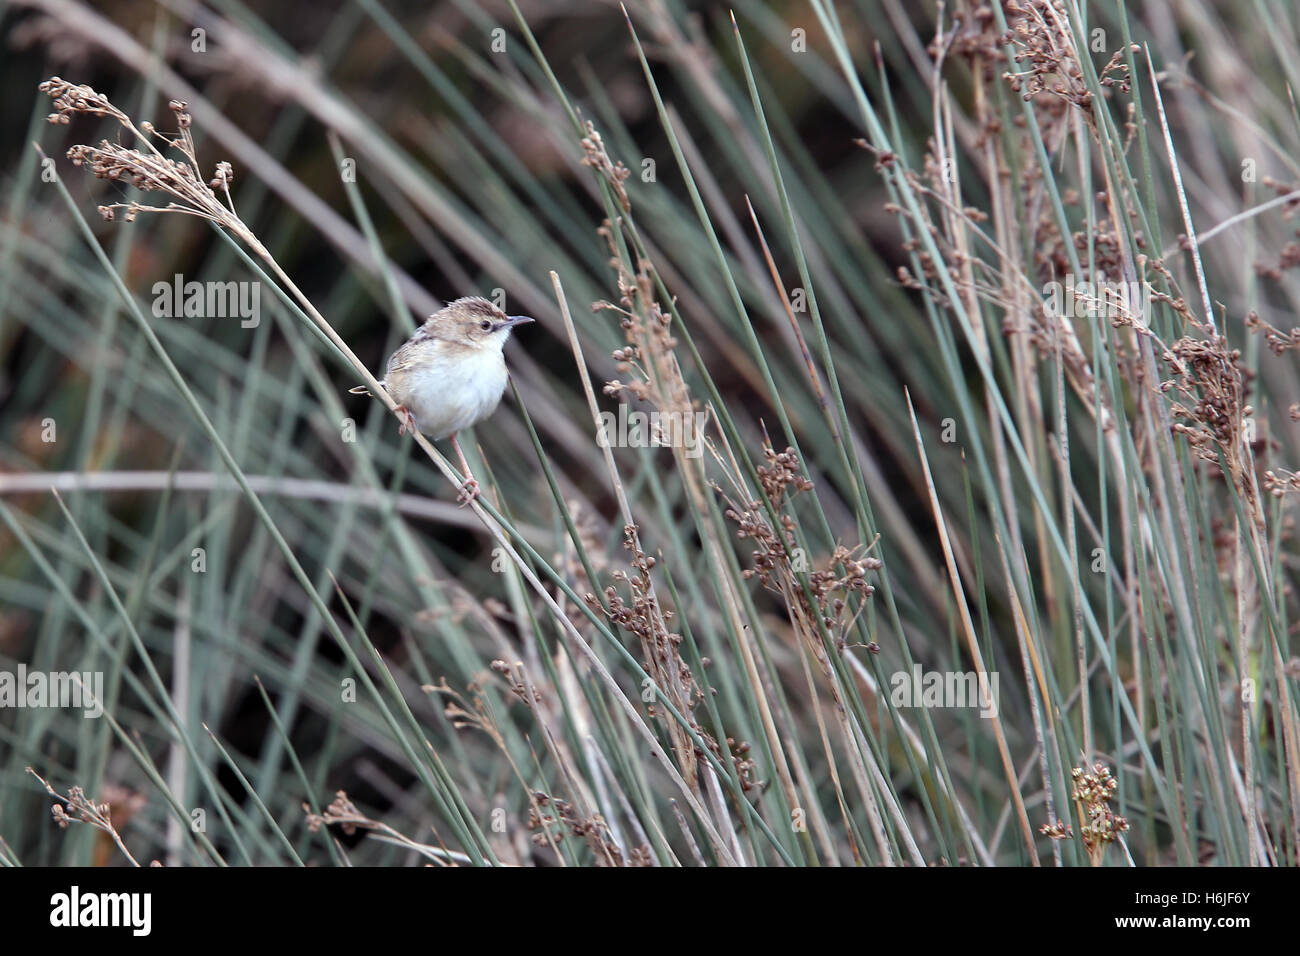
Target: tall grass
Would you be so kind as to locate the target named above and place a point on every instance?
(987, 312)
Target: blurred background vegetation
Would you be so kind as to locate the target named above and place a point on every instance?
(830, 227)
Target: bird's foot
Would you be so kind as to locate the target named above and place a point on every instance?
(408, 420)
(468, 492)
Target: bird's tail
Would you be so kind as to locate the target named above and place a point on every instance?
(361, 389)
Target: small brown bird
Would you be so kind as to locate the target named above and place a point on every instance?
(451, 374)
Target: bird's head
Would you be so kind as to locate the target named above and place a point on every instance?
(474, 323)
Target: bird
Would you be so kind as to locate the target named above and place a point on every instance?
(451, 374)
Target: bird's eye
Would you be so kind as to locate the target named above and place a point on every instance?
(485, 325)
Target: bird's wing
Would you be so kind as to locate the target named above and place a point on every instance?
(413, 350)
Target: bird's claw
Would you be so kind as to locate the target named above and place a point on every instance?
(468, 492)
(408, 421)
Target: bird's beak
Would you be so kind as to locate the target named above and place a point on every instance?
(513, 320)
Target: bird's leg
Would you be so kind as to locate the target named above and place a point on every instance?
(408, 420)
(469, 487)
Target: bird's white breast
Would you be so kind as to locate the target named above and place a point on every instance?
(452, 393)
